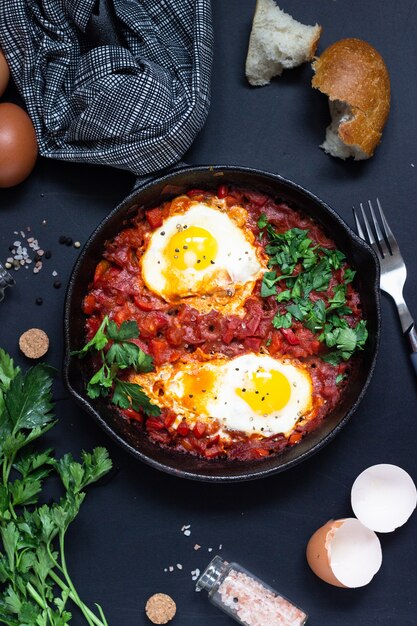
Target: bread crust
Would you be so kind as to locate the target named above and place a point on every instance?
(352, 71)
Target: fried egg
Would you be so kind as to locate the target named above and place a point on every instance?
(252, 393)
(203, 255)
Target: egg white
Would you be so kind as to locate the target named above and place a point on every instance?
(234, 413)
(235, 262)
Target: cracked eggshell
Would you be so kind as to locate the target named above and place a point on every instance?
(383, 497)
(344, 553)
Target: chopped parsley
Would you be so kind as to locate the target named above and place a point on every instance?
(297, 268)
(121, 354)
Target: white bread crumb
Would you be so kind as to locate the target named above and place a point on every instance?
(277, 42)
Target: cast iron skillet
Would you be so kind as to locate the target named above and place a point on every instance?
(150, 194)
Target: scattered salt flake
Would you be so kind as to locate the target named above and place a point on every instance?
(197, 546)
(210, 549)
(165, 569)
(220, 546)
(187, 533)
(195, 573)
(185, 527)
(171, 568)
(179, 565)
(54, 273)
(412, 164)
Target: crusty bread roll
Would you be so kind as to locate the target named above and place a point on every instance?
(355, 78)
(277, 41)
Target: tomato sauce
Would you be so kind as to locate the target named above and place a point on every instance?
(168, 331)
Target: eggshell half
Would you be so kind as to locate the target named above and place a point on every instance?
(344, 553)
(318, 552)
(383, 497)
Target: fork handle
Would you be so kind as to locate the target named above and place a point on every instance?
(411, 335)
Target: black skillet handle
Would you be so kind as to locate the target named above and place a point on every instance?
(103, 28)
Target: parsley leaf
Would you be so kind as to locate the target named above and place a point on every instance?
(121, 355)
(127, 330)
(262, 221)
(28, 401)
(129, 395)
(268, 286)
(7, 373)
(98, 342)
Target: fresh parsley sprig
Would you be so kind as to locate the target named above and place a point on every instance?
(299, 267)
(36, 587)
(111, 343)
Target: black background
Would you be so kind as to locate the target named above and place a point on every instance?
(130, 529)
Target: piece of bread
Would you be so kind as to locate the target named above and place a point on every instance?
(355, 78)
(277, 42)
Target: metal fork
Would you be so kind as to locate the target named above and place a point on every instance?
(393, 269)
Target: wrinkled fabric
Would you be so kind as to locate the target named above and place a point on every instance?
(136, 107)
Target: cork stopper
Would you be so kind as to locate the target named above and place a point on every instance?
(34, 343)
(160, 608)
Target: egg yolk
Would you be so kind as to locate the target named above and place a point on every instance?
(197, 386)
(266, 391)
(193, 247)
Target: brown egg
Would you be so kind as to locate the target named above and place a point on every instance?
(18, 146)
(4, 73)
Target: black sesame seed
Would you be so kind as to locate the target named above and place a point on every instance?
(39, 301)
(62, 239)
(57, 284)
(69, 241)
(48, 254)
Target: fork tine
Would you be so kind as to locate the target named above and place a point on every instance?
(379, 235)
(388, 232)
(358, 224)
(371, 237)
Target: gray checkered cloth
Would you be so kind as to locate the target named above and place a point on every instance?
(137, 106)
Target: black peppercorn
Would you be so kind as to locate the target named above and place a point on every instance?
(69, 241)
(48, 254)
(57, 284)
(62, 239)
(39, 301)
